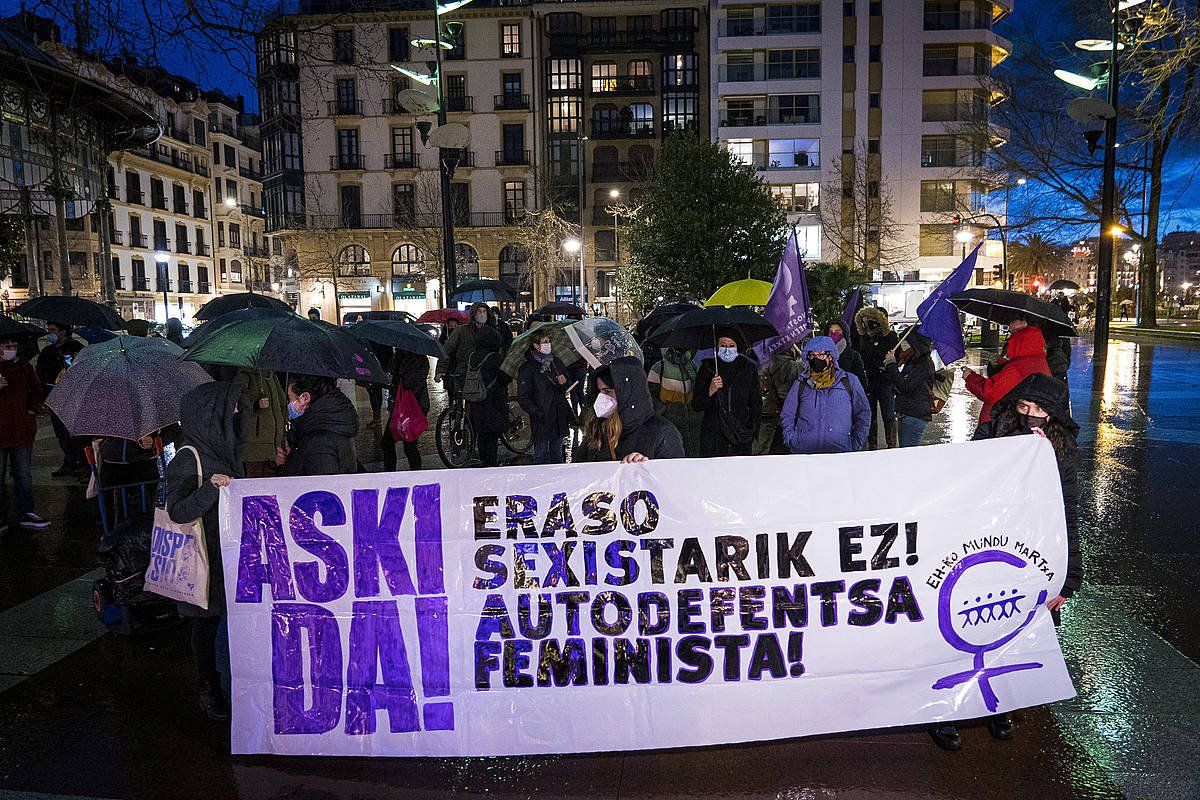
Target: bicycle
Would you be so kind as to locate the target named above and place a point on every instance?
(456, 436)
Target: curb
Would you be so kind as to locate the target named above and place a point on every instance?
(1155, 333)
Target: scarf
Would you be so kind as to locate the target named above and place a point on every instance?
(822, 380)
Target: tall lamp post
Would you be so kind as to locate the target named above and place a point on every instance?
(615, 195)
(573, 246)
(164, 277)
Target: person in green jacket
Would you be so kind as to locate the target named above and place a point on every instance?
(265, 404)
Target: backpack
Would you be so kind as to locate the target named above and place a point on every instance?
(939, 389)
(475, 388)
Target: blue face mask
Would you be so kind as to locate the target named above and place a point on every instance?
(293, 412)
(727, 354)
(52, 338)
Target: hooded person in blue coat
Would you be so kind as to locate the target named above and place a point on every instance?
(826, 410)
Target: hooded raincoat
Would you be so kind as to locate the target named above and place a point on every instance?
(1026, 355)
(322, 438)
(209, 425)
(642, 431)
(832, 420)
(739, 402)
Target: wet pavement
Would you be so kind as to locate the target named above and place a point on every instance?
(95, 715)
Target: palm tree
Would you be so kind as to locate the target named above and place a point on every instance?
(1034, 257)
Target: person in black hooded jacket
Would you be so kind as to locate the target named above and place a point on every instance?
(212, 425)
(1038, 405)
(727, 391)
(910, 370)
(623, 426)
(489, 417)
(324, 424)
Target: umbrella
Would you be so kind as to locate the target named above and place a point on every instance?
(439, 316)
(661, 314)
(601, 341)
(126, 387)
(71, 310)
(1064, 285)
(1003, 306)
(12, 329)
(482, 291)
(399, 334)
(696, 330)
(561, 308)
(94, 335)
(233, 302)
(139, 327)
(560, 346)
(403, 316)
(262, 338)
(748, 292)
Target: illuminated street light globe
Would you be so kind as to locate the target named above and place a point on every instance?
(572, 245)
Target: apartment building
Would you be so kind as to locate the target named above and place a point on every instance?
(801, 89)
(1179, 263)
(616, 77)
(352, 192)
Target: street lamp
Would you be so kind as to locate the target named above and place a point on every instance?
(963, 237)
(231, 202)
(573, 246)
(164, 277)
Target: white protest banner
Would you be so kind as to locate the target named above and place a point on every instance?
(597, 607)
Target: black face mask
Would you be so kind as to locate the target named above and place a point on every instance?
(817, 364)
(874, 328)
(1033, 422)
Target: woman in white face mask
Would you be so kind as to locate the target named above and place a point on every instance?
(730, 397)
(542, 394)
(621, 425)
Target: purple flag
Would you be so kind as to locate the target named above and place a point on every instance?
(847, 318)
(788, 308)
(939, 317)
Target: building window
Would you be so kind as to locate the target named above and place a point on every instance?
(235, 271)
(408, 266)
(873, 100)
(873, 146)
(785, 64)
(347, 96)
(679, 19)
(510, 40)
(235, 235)
(936, 240)
(604, 77)
(343, 46)
(797, 198)
(351, 202)
(354, 262)
(347, 148)
(794, 18)
(140, 283)
(514, 201)
(565, 114)
(397, 44)
(402, 148)
(876, 8)
(467, 260)
(565, 74)
(679, 112)
(460, 202)
(848, 9)
(789, 153)
(679, 69)
(795, 108)
(459, 51)
(876, 53)
(230, 157)
(514, 267)
(404, 203)
(642, 115)
(848, 54)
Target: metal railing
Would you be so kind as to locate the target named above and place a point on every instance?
(202, 249)
(738, 73)
(761, 115)
(253, 211)
(401, 161)
(345, 108)
(203, 288)
(616, 129)
(114, 237)
(136, 198)
(460, 104)
(470, 219)
(137, 239)
(933, 67)
(346, 161)
(512, 158)
(183, 247)
(622, 84)
(185, 285)
(510, 102)
(159, 202)
(141, 284)
(772, 26)
(249, 173)
(964, 20)
(800, 160)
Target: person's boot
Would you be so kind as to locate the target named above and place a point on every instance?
(213, 702)
(1000, 727)
(64, 471)
(945, 735)
(891, 429)
(872, 442)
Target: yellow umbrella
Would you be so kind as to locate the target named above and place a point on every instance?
(748, 292)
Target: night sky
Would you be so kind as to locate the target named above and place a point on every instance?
(231, 71)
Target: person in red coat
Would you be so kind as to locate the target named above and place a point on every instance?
(21, 398)
(1025, 355)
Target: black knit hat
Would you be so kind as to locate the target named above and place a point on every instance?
(1049, 393)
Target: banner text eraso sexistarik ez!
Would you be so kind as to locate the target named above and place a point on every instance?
(602, 607)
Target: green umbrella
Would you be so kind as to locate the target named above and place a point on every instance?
(560, 346)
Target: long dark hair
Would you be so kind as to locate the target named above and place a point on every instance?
(1008, 422)
(603, 433)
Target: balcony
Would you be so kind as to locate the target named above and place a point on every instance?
(761, 115)
(201, 213)
(141, 285)
(468, 219)
(635, 40)
(742, 73)
(159, 202)
(345, 108)
(775, 26)
(615, 129)
(346, 161)
(510, 102)
(618, 85)
(185, 285)
(202, 249)
(183, 247)
(954, 112)
(250, 174)
(945, 67)
(606, 256)
(801, 160)
(136, 198)
(181, 209)
(177, 160)
(512, 158)
(460, 104)
(966, 19)
(115, 237)
(162, 245)
(111, 190)
(402, 161)
(201, 169)
(203, 288)
(466, 158)
(137, 239)
(179, 135)
(250, 251)
(392, 106)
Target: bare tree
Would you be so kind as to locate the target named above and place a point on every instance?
(858, 217)
(541, 235)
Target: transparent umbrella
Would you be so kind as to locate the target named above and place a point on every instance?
(601, 341)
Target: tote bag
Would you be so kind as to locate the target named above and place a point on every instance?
(408, 421)
(178, 566)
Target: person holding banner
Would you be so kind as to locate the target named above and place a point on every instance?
(324, 424)
(542, 394)
(826, 410)
(728, 394)
(212, 425)
(622, 425)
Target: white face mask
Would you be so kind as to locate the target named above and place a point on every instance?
(8, 355)
(727, 354)
(544, 348)
(481, 317)
(604, 406)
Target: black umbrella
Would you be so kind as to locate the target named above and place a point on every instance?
(1064, 285)
(661, 314)
(12, 329)
(561, 308)
(264, 339)
(234, 302)
(1003, 306)
(399, 334)
(139, 327)
(696, 330)
(71, 310)
(479, 290)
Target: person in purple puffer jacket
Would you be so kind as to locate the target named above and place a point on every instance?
(826, 410)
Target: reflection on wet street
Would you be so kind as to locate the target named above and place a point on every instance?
(112, 717)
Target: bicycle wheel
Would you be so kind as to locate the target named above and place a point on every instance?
(455, 437)
(518, 436)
